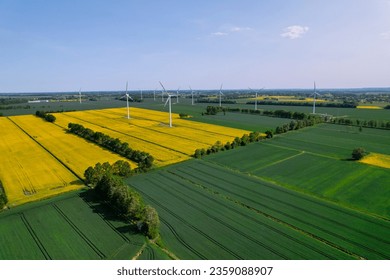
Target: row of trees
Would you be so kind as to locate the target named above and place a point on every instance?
(213, 110)
(345, 104)
(362, 123)
(243, 141)
(3, 197)
(46, 116)
(296, 124)
(144, 160)
(125, 201)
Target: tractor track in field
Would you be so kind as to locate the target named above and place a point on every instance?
(157, 131)
(145, 118)
(181, 240)
(48, 151)
(201, 193)
(121, 235)
(297, 219)
(35, 237)
(223, 247)
(79, 232)
(128, 135)
(220, 221)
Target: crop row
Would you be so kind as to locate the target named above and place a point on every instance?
(226, 224)
(347, 230)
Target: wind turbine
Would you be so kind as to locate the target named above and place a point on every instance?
(315, 93)
(256, 91)
(192, 96)
(220, 95)
(177, 95)
(170, 104)
(154, 95)
(127, 102)
(80, 95)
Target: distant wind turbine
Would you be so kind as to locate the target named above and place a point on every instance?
(256, 91)
(177, 95)
(315, 93)
(220, 95)
(127, 102)
(192, 96)
(169, 100)
(80, 95)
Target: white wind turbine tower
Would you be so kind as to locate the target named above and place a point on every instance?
(192, 96)
(315, 93)
(169, 100)
(127, 102)
(141, 93)
(177, 95)
(256, 91)
(154, 95)
(80, 95)
(220, 96)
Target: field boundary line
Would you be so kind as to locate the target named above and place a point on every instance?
(35, 237)
(307, 152)
(279, 221)
(47, 150)
(220, 221)
(305, 195)
(132, 136)
(306, 222)
(181, 240)
(192, 227)
(278, 161)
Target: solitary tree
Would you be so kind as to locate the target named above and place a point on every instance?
(358, 153)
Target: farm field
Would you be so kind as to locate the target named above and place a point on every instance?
(73, 152)
(212, 212)
(27, 171)
(315, 161)
(147, 131)
(69, 227)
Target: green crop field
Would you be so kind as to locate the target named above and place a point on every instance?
(212, 212)
(69, 227)
(316, 161)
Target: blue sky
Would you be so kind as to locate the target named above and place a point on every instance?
(99, 45)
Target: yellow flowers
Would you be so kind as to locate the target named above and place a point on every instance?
(369, 107)
(380, 160)
(40, 159)
(147, 130)
(28, 172)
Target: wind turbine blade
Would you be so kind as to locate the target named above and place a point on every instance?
(126, 86)
(166, 102)
(162, 86)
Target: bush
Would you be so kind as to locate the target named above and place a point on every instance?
(359, 153)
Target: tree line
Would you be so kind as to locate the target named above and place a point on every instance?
(3, 197)
(127, 203)
(143, 159)
(345, 104)
(362, 123)
(237, 142)
(46, 116)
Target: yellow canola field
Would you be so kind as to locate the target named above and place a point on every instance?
(73, 151)
(162, 155)
(380, 160)
(27, 171)
(369, 107)
(148, 130)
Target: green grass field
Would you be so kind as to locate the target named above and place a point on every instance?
(70, 226)
(212, 212)
(316, 161)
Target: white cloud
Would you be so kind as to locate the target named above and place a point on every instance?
(385, 35)
(294, 31)
(239, 29)
(219, 34)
